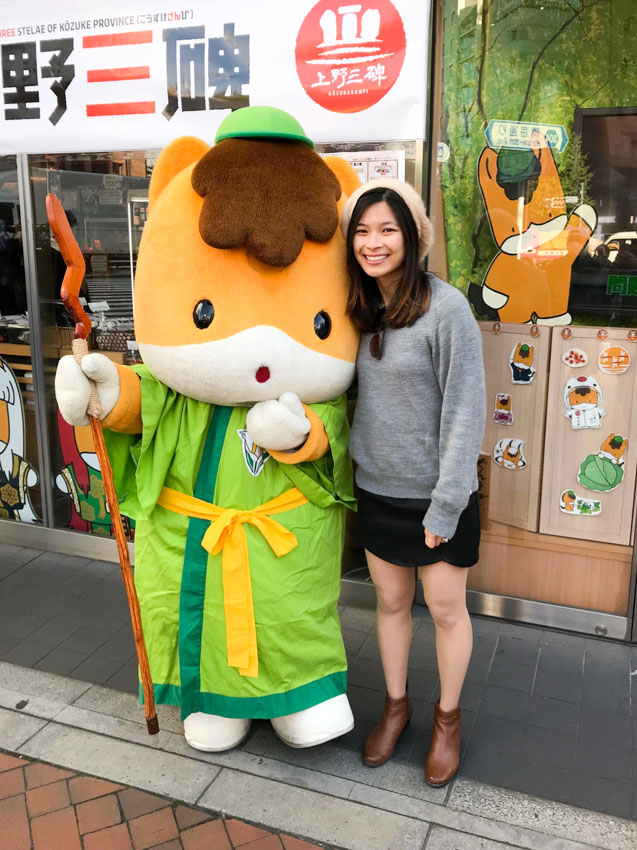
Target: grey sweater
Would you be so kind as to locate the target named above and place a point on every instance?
(420, 413)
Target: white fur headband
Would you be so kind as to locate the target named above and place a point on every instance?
(409, 195)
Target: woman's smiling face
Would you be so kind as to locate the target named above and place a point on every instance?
(378, 243)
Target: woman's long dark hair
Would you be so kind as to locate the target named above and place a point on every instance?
(411, 298)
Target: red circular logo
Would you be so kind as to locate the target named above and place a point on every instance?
(349, 56)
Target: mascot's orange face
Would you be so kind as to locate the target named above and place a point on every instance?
(239, 294)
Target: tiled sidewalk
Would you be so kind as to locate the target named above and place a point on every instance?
(47, 808)
(544, 713)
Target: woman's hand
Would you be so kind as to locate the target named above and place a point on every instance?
(433, 540)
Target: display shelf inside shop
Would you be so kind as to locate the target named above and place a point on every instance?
(115, 356)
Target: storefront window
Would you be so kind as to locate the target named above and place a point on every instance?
(20, 497)
(537, 105)
(105, 198)
(604, 279)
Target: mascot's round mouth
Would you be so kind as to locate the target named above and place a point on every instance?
(262, 374)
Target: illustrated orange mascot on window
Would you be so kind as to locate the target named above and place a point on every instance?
(529, 278)
(230, 443)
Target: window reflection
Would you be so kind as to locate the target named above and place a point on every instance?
(604, 279)
(20, 498)
(105, 198)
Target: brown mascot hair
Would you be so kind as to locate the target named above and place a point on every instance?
(266, 196)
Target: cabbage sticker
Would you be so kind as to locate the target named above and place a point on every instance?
(604, 471)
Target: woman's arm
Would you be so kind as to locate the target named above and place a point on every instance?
(459, 368)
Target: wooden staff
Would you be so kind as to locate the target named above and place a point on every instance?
(70, 290)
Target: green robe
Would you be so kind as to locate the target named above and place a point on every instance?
(196, 448)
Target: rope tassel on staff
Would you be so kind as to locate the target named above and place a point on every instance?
(73, 278)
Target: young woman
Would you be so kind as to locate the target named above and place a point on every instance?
(415, 439)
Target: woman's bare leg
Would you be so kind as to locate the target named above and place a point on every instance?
(445, 591)
(394, 596)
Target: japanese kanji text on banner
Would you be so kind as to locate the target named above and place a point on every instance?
(74, 80)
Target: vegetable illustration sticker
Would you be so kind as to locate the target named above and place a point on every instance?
(614, 360)
(582, 396)
(503, 414)
(604, 471)
(575, 357)
(576, 506)
(522, 371)
(509, 454)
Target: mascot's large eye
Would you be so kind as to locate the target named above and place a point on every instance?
(203, 314)
(322, 325)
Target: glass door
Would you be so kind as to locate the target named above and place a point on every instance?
(105, 200)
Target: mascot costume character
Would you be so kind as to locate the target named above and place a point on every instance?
(230, 444)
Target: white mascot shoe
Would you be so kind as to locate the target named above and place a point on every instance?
(213, 734)
(317, 724)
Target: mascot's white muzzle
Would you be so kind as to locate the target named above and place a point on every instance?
(257, 364)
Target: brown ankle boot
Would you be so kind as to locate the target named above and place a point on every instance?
(444, 753)
(381, 742)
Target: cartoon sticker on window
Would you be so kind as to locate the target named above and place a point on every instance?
(509, 454)
(16, 474)
(529, 278)
(503, 414)
(522, 371)
(582, 397)
(575, 357)
(614, 360)
(81, 480)
(604, 471)
(576, 506)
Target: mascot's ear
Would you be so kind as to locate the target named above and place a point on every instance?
(176, 156)
(345, 173)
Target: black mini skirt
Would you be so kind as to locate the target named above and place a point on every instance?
(392, 529)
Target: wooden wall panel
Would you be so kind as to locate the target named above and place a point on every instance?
(514, 495)
(566, 448)
(513, 562)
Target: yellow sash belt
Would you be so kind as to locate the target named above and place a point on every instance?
(226, 535)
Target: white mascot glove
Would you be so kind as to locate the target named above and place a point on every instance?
(73, 390)
(278, 425)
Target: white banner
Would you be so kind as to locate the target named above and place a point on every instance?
(122, 78)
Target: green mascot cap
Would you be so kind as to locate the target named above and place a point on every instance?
(261, 122)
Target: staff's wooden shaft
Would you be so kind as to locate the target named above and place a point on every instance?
(80, 349)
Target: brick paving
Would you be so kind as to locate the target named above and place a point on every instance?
(43, 807)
